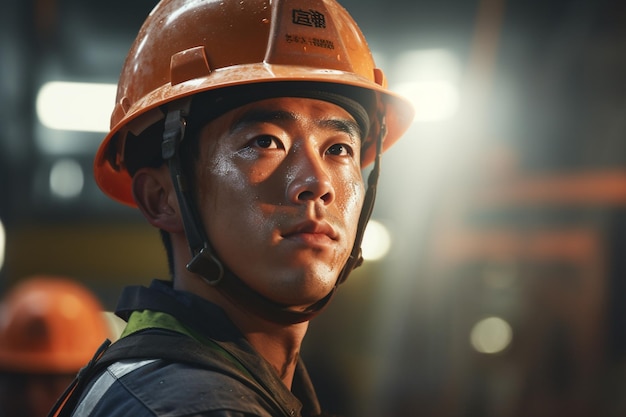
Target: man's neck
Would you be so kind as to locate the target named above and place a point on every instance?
(278, 344)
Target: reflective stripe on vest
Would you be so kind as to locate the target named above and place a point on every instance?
(104, 382)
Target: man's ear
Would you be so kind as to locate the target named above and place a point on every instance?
(155, 197)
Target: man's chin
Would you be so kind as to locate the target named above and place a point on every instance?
(300, 294)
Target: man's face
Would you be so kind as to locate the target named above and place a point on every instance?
(280, 192)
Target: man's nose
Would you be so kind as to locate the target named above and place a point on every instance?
(309, 179)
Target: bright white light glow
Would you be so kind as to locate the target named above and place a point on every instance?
(491, 335)
(75, 106)
(3, 240)
(376, 241)
(433, 100)
(66, 178)
(429, 78)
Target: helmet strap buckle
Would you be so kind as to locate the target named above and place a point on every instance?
(205, 264)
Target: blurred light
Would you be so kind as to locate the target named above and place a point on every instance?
(433, 100)
(66, 178)
(376, 241)
(491, 335)
(116, 324)
(429, 79)
(75, 106)
(3, 240)
(500, 275)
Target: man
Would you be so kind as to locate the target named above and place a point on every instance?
(239, 131)
(49, 328)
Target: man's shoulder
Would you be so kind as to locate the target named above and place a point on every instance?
(163, 388)
(190, 389)
(164, 373)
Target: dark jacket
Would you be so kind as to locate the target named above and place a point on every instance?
(181, 356)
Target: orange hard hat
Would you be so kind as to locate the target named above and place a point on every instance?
(50, 325)
(188, 47)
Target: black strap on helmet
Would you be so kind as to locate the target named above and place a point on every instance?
(203, 260)
(356, 257)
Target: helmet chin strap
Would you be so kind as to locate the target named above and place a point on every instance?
(204, 261)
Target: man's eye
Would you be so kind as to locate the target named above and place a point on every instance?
(339, 149)
(266, 142)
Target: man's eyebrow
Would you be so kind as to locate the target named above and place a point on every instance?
(342, 125)
(260, 116)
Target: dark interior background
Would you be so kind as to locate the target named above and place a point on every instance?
(514, 207)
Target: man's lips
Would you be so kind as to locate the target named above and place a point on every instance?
(311, 231)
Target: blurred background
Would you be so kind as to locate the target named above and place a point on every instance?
(496, 279)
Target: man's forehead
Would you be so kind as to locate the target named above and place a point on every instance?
(213, 104)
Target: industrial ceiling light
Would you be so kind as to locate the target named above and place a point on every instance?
(75, 106)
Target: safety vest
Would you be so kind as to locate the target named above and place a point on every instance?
(170, 346)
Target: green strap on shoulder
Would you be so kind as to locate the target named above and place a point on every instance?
(148, 319)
